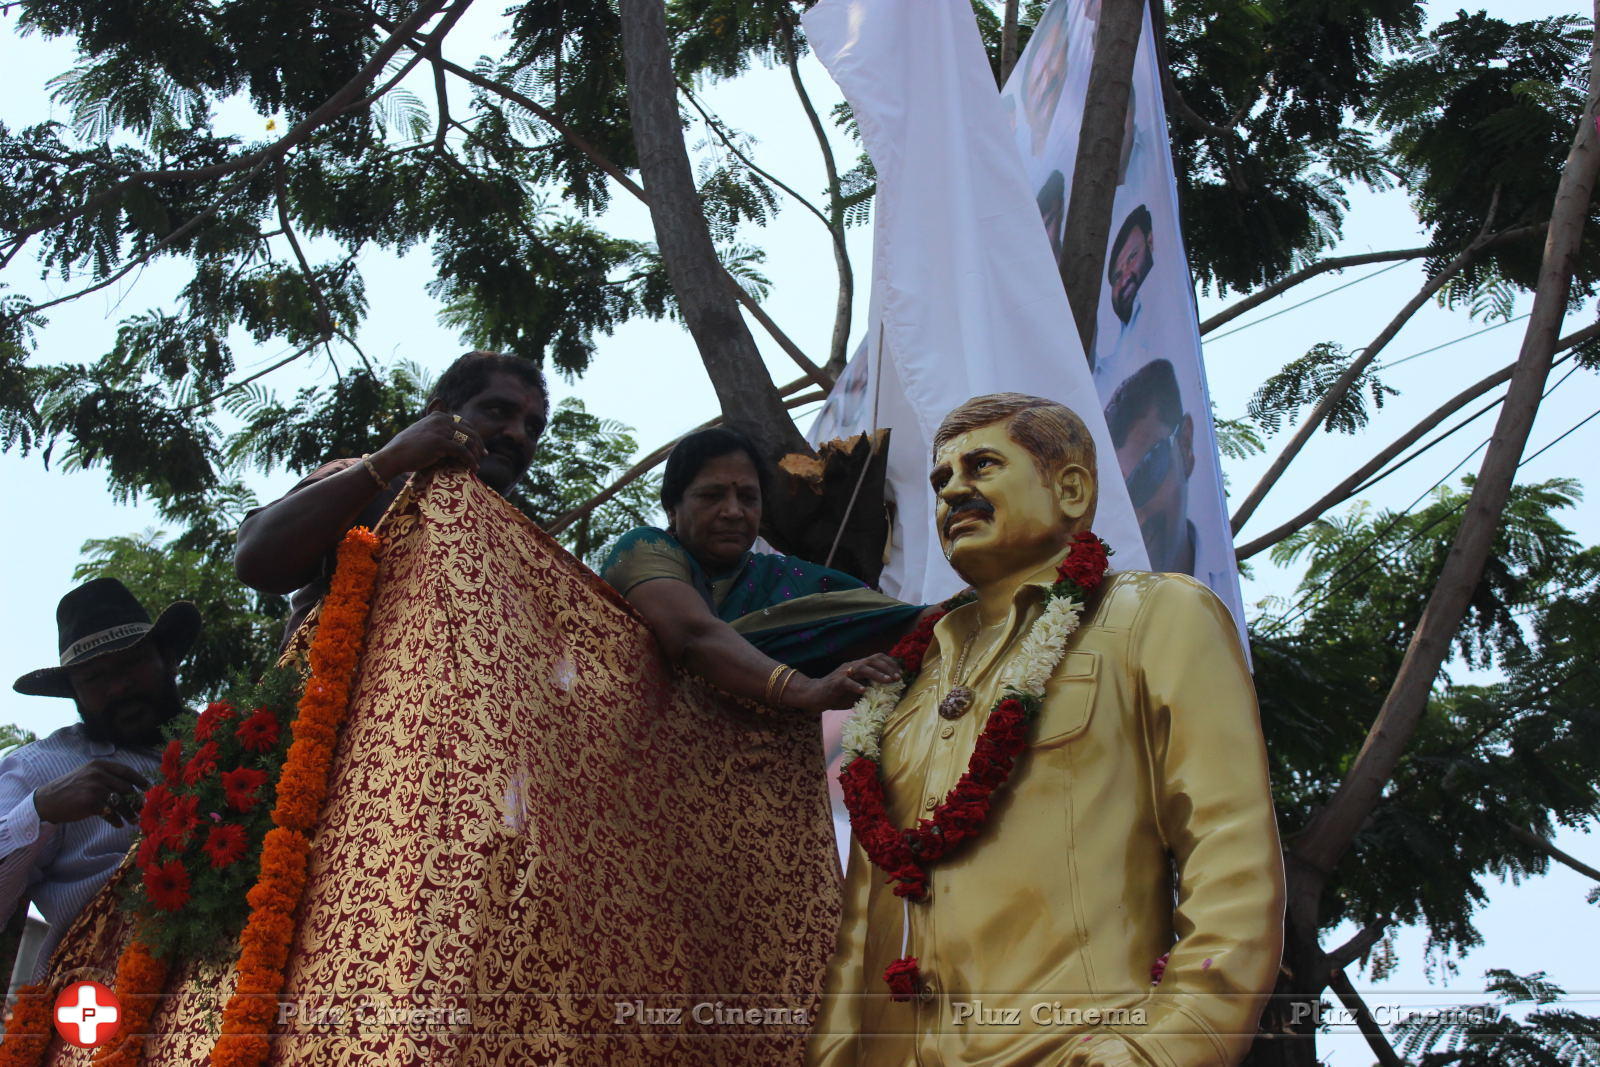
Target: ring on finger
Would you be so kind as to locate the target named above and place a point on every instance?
(455, 418)
(460, 437)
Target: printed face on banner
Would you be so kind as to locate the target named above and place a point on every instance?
(1132, 256)
(1154, 438)
(1044, 75)
(1145, 353)
(846, 410)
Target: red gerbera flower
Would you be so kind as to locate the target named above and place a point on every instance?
(172, 761)
(259, 732)
(149, 852)
(156, 802)
(216, 713)
(225, 844)
(240, 787)
(201, 765)
(179, 821)
(167, 886)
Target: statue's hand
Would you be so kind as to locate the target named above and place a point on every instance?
(1101, 1050)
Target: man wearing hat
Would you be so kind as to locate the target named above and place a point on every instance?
(69, 803)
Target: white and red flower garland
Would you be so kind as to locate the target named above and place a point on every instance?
(906, 854)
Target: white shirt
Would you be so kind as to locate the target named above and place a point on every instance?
(59, 867)
(1124, 355)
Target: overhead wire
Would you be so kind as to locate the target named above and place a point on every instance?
(1303, 303)
(1447, 344)
(1325, 587)
(1399, 463)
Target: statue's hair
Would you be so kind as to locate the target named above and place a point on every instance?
(1052, 433)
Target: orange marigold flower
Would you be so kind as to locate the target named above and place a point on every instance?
(29, 1027)
(269, 932)
(140, 978)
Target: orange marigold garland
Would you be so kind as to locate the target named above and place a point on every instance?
(29, 1027)
(268, 933)
(140, 979)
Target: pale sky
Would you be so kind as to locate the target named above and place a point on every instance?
(649, 376)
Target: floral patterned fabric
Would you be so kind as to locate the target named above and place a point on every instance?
(541, 846)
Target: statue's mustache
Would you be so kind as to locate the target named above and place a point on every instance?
(972, 505)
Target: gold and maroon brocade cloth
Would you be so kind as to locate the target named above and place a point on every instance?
(540, 846)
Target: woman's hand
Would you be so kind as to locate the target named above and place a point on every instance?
(843, 687)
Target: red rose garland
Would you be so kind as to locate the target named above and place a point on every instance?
(906, 854)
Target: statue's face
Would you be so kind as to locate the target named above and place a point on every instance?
(996, 514)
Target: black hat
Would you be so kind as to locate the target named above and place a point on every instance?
(102, 616)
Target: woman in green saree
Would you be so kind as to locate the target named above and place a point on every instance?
(765, 626)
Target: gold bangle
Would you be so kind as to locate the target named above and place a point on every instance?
(766, 696)
(366, 461)
(784, 686)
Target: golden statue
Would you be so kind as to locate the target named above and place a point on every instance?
(1108, 890)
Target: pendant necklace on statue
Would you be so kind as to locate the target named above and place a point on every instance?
(957, 702)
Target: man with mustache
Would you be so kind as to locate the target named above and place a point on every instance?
(1132, 257)
(487, 412)
(69, 802)
(1117, 900)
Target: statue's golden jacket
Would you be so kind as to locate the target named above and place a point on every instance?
(1138, 822)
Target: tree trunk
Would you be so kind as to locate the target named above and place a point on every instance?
(750, 402)
(1319, 848)
(1008, 42)
(1094, 174)
(1335, 825)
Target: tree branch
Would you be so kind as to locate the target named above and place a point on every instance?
(844, 303)
(1305, 274)
(1336, 392)
(1359, 945)
(706, 292)
(549, 118)
(616, 173)
(1008, 41)
(1332, 829)
(1358, 478)
(1543, 844)
(716, 127)
(335, 106)
(242, 382)
(1376, 1040)
(1094, 182)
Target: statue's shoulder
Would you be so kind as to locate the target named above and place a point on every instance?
(1131, 595)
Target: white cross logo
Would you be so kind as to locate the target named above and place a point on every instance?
(87, 1014)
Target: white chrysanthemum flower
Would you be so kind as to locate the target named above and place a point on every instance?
(862, 731)
(1043, 646)
(1036, 659)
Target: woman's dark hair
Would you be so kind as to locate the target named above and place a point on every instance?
(698, 449)
(470, 373)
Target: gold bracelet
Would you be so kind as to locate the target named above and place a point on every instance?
(785, 685)
(366, 461)
(766, 696)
